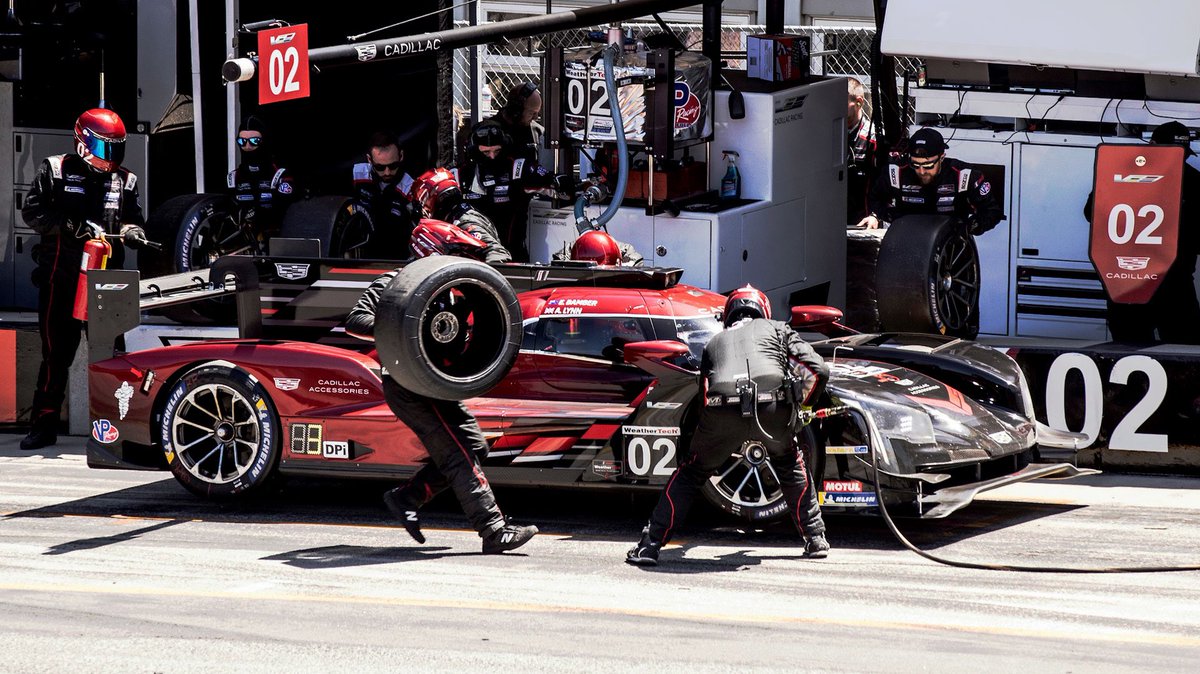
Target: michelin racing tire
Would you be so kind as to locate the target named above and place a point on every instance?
(342, 226)
(928, 277)
(220, 432)
(190, 228)
(448, 328)
(735, 490)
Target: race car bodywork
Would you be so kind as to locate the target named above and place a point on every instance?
(603, 392)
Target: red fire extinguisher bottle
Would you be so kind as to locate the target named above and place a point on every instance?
(95, 256)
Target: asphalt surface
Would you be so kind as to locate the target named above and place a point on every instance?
(114, 571)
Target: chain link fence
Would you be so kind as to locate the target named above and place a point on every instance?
(505, 65)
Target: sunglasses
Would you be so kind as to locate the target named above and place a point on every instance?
(924, 164)
(380, 168)
(255, 141)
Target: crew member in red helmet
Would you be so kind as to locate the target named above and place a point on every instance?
(756, 374)
(436, 195)
(601, 248)
(70, 191)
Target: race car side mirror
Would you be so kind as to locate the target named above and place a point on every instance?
(819, 318)
(657, 357)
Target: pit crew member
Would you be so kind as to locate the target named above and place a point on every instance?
(860, 141)
(455, 444)
(931, 182)
(261, 188)
(757, 374)
(436, 195)
(71, 195)
(382, 187)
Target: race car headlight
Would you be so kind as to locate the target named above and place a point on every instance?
(894, 421)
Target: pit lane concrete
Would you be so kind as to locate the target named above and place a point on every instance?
(118, 571)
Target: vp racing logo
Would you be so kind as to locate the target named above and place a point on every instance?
(687, 106)
(292, 271)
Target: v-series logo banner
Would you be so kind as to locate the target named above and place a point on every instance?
(1135, 178)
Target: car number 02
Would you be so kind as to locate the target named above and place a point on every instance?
(650, 450)
(279, 61)
(1121, 224)
(1125, 435)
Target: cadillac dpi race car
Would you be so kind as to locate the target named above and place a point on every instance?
(579, 375)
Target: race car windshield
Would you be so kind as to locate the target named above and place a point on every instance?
(696, 331)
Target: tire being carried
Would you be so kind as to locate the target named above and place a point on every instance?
(342, 226)
(928, 278)
(448, 328)
(220, 432)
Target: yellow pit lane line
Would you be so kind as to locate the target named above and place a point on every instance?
(1041, 633)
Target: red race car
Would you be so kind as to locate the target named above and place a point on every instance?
(581, 375)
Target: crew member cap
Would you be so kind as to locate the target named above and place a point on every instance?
(1173, 133)
(926, 142)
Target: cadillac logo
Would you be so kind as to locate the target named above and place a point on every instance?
(1132, 263)
(366, 52)
(291, 272)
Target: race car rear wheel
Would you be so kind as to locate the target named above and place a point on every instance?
(928, 278)
(342, 226)
(220, 432)
(194, 230)
(747, 486)
(448, 328)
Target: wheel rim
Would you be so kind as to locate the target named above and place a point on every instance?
(464, 330)
(748, 480)
(214, 236)
(216, 433)
(957, 283)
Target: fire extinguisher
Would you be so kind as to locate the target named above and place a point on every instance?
(96, 252)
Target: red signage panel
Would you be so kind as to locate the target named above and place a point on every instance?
(283, 63)
(1135, 218)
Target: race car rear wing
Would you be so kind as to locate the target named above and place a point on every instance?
(117, 298)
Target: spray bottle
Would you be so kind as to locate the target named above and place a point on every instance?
(731, 184)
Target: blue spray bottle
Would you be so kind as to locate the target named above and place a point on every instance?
(731, 184)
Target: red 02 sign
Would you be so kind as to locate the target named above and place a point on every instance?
(283, 63)
(1135, 218)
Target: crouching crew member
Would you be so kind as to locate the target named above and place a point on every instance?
(757, 375)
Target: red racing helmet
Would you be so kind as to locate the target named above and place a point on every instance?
(597, 247)
(746, 302)
(436, 193)
(434, 237)
(100, 139)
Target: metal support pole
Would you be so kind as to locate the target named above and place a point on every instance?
(197, 104)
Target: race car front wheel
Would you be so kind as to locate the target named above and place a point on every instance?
(927, 278)
(448, 328)
(220, 432)
(748, 485)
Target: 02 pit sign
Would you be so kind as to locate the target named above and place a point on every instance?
(283, 63)
(1135, 218)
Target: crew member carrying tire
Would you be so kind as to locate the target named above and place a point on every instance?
(453, 439)
(757, 375)
(932, 183)
(71, 193)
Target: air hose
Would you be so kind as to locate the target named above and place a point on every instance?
(891, 524)
(590, 196)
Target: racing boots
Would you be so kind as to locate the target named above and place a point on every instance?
(510, 537)
(43, 434)
(816, 547)
(645, 553)
(404, 511)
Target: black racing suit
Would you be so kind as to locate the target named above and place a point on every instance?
(479, 226)
(262, 190)
(958, 190)
(66, 193)
(860, 166)
(448, 430)
(498, 188)
(1173, 309)
(390, 209)
(772, 353)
